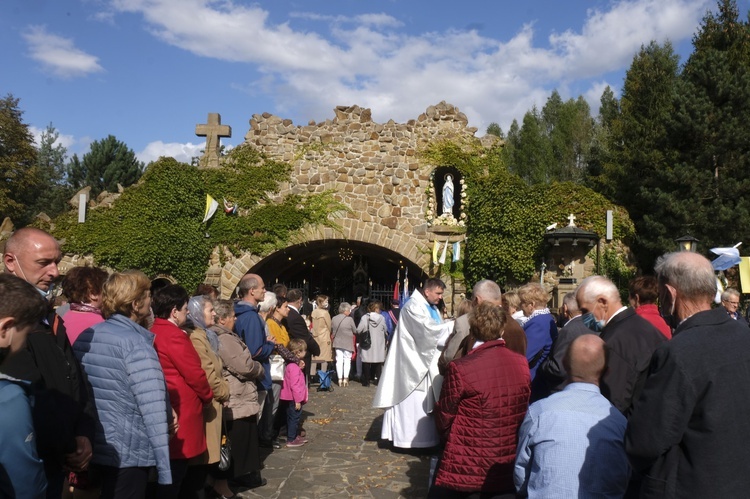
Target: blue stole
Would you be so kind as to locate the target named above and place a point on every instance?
(434, 313)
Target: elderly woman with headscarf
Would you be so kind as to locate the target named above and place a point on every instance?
(201, 314)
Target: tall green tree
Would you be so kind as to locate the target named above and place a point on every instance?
(17, 162)
(570, 130)
(631, 145)
(554, 144)
(705, 190)
(108, 163)
(495, 129)
(52, 190)
(532, 157)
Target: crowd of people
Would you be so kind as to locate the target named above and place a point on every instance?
(135, 389)
(639, 401)
(138, 386)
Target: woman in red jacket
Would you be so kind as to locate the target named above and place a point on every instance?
(186, 381)
(482, 404)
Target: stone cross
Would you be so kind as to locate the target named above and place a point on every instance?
(213, 131)
(571, 217)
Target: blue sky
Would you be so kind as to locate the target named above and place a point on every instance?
(147, 71)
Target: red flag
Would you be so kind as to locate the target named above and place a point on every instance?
(396, 294)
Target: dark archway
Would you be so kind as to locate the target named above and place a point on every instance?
(339, 268)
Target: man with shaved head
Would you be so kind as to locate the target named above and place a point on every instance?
(252, 329)
(571, 443)
(64, 417)
(631, 339)
(689, 432)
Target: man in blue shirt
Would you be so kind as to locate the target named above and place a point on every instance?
(252, 329)
(571, 443)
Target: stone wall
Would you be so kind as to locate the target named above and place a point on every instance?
(374, 168)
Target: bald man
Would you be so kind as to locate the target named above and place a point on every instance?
(571, 443)
(64, 417)
(689, 431)
(456, 347)
(251, 327)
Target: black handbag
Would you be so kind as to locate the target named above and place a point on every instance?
(365, 341)
(225, 453)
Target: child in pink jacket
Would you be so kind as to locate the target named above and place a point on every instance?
(294, 390)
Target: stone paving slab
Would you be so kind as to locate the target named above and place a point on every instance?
(343, 457)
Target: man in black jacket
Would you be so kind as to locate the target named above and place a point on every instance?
(630, 339)
(689, 430)
(297, 327)
(64, 414)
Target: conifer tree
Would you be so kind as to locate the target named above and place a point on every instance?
(52, 190)
(704, 189)
(18, 168)
(108, 163)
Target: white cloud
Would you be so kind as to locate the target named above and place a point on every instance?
(58, 55)
(181, 152)
(67, 141)
(370, 61)
(609, 39)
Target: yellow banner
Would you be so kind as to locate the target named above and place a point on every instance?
(745, 274)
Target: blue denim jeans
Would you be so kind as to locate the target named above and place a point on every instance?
(292, 420)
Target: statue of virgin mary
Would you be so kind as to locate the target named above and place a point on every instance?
(448, 200)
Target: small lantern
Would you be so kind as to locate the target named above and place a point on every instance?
(687, 243)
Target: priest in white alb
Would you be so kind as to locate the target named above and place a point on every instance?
(410, 383)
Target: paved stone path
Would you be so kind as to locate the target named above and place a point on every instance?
(343, 457)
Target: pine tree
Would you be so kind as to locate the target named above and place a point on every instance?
(495, 129)
(108, 163)
(17, 162)
(52, 191)
(533, 154)
(633, 150)
(706, 191)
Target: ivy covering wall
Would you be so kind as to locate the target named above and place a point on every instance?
(507, 218)
(156, 225)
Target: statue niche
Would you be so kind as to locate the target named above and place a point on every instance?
(448, 187)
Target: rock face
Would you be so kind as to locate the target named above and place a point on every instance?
(374, 168)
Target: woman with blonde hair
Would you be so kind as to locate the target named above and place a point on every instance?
(540, 326)
(344, 334)
(129, 389)
(321, 332)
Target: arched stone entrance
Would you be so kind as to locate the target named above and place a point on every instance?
(385, 250)
(339, 268)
